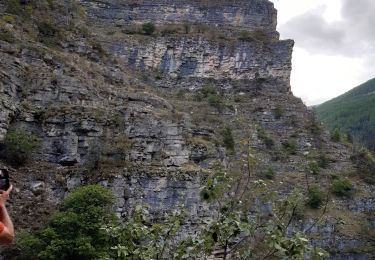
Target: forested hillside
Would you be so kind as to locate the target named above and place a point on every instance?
(353, 113)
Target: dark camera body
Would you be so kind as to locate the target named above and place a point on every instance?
(4, 179)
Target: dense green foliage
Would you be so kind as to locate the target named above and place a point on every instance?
(315, 197)
(18, 146)
(212, 95)
(365, 163)
(313, 168)
(85, 228)
(352, 113)
(75, 232)
(270, 173)
(342, 187)
(290, 146)
(148, 28)
(228, 139)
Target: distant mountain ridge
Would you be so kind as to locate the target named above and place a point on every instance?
(353, 113)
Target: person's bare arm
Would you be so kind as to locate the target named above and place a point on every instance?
(6, 237)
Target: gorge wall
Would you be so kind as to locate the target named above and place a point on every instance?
(238, 15)
(114, 106)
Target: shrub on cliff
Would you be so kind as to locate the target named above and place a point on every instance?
(336, 135)
(342, 187)
(228, 139)
(6, 36)
(148, 28)
(315, 197)
(75, 232)
(365, 163)
(313, 168)
(290, 146)
(18, 147)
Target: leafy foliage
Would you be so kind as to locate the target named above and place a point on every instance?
(290, 146)
(18, 146)
(315, 197)
(213, 97)
(148, 28)
(215, 100)
(342, 187)
(228, 139)
(270, 173)
(353, 113)
(313, 168)
(139, 239)
(278, 112)
(323, 161)
(6, 36)
(336, 135)
(85, 227)
(75, 232)
(365, 163)
(268, 141)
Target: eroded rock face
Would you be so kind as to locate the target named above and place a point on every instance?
(85, 106)
(10, 83)
(245, 14)
(200, 58)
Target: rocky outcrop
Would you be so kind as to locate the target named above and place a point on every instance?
(244, 15)
(204, 59)
(144, 115)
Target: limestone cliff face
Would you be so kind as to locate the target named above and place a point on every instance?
(129, 111)
(239, 15)
(200, 58)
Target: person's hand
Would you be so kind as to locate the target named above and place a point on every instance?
(4, 195)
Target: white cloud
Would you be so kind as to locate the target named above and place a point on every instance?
(335, 45)
(317, 78)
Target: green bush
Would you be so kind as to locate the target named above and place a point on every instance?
(257, 35)
(268, 141)
(18, 147)
(9, 19)
(212, 96)
(47, 29)
(270, 173)
(290, 146)
(315, 126)
(228, 140)
(208, 90)
(14, 7)
(7, 36)
(278, 112)
(313, 168)
(215, 101)
(148, 28)
(365, 163)
(75, 232)
(342, 187)
(336, 135)
(315, 197)
(323, 161)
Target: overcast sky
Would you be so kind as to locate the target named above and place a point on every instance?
(335, 45)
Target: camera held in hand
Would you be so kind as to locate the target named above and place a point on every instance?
(4, 179)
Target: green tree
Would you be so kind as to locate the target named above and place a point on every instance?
(336, 135)
(74, 232)
(18, 146)
(232, 231)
